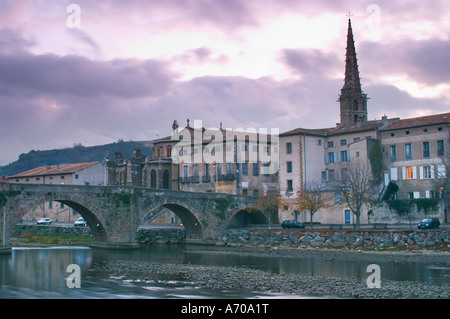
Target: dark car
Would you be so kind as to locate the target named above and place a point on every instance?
(291, 224)
(429, 223)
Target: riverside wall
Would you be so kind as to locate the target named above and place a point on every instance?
(438, 239)
(404, 239)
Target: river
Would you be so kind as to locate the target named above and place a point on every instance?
(42, 272)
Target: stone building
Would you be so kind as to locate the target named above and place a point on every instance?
(416, 155)
(225, 161)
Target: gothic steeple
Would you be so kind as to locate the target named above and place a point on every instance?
(353, 101)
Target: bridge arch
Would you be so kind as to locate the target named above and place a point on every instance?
(97, 229)
(191, 223)
(248, 216)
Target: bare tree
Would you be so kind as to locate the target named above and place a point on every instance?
(312, 198)
(355, 187)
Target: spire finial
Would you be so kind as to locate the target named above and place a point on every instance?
(349, 15)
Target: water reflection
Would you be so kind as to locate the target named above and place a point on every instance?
(42, 272)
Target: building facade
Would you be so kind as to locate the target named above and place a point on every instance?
(416, 156)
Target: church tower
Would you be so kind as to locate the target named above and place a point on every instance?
(353, 101)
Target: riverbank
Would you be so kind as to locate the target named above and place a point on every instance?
(266, 282)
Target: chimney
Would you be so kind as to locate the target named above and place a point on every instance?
(48, 166)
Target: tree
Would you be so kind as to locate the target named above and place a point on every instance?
(312, 198)
(269, 205)
(355, 187)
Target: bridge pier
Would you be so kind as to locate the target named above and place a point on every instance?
(5, 250)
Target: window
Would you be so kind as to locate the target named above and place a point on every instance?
(408, 151)
(245, 169)
(343, 142)
(337, 197)
(319, 142)
(229, 168)
(427, 172)
(331, 175)
(185, 172)
(76, 176)
(440, 148)
(255, 169)
(356, 139)
(426, 149)
(195, 167)
(289, 185)
(289, 167)
(324, 176)
(206, 170)
(288, 148)
(330, 157)
(410, 172)
(345, 156)
(331, 144)
(392, 153)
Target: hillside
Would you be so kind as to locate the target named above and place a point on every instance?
(76, 154)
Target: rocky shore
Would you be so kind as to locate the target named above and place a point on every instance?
(259, 281)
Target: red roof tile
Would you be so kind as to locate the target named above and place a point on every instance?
(54, 169)
(436, 119)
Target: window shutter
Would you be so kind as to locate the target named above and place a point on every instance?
(393, 173)
(427, 194)
(421, 172)
(432, 171)
(403, 172)
(414, 172)
(326, 158)
(338, 156)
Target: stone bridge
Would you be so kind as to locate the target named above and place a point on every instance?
(114, 213)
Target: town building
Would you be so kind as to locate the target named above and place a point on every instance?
(90, 173)
(413, 153)
(416, 155)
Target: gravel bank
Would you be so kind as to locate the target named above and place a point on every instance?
(224, 278)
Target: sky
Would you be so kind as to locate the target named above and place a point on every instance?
(95, 72)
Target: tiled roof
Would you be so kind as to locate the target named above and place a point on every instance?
(339, 129)
(436, 119)
(54, 169)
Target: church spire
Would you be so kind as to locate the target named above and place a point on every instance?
(351, 63)
(353, 101)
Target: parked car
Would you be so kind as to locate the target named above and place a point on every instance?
(80, 222)
(44, 221)
(291, 224)
(429, 223)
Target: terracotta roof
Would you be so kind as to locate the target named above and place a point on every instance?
(54, 169)
(339, 129)
(436, 119)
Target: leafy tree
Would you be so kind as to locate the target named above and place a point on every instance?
(311, 199)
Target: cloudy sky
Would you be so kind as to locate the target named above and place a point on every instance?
(101, 71)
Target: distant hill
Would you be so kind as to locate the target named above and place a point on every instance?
(76, 154)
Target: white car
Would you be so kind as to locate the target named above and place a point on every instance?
(80, 222)
(44, 221)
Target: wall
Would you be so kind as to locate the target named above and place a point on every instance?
(338, 239)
